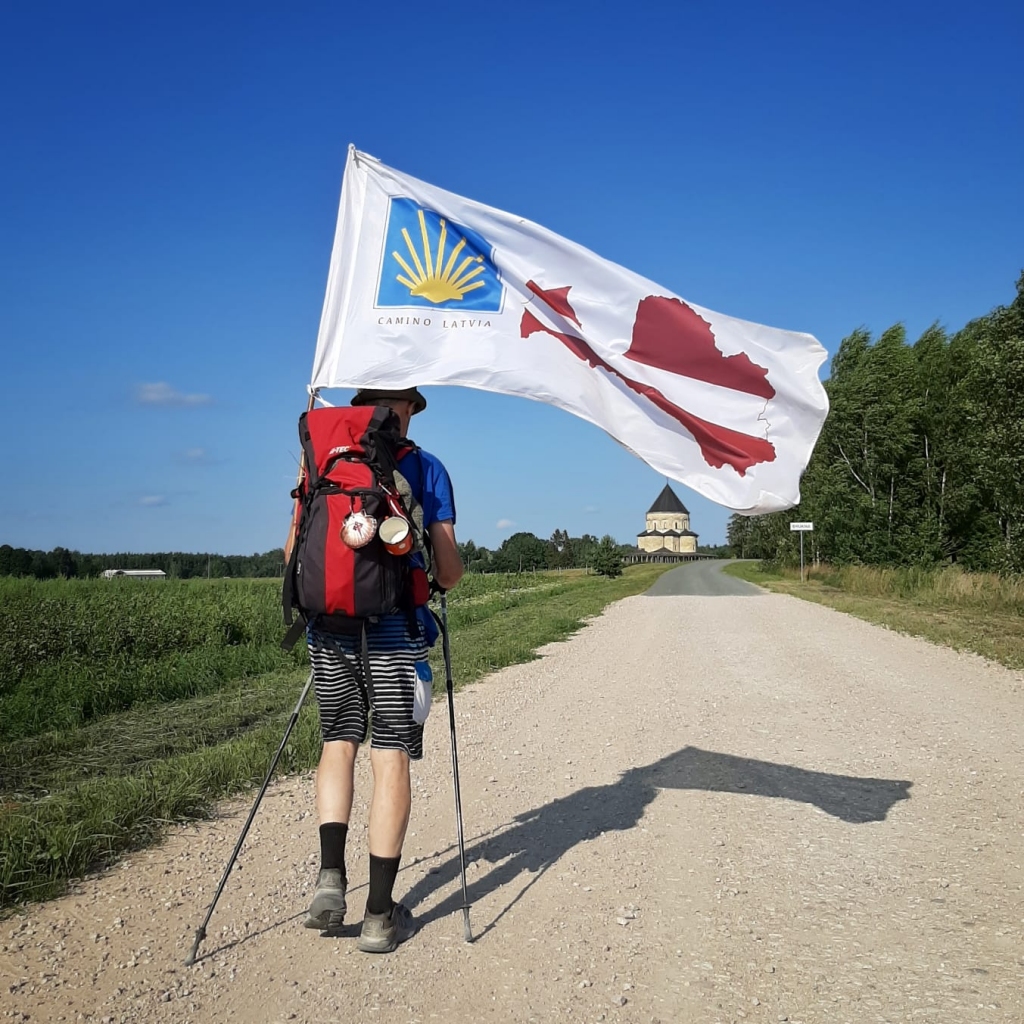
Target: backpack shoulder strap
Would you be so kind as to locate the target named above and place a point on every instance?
(295, 630)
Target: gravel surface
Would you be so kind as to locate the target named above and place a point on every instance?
(708, 809)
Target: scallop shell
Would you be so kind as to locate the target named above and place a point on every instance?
(358, 529)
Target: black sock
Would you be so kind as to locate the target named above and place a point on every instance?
(383, 872)
(332, 845)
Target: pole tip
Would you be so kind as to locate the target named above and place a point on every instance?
(467, 932)
(200, 935)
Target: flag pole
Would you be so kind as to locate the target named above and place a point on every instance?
(292, 529)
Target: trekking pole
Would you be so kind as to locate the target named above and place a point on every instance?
(467, 932)
(201, 930)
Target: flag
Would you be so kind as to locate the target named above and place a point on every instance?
(427, 287)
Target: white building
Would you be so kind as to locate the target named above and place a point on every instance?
(668, 537)
(142, 574)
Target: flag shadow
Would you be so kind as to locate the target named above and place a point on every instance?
(538, 838)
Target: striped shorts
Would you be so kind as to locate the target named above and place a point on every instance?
(342, 695)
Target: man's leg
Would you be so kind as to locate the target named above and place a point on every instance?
(389, 819)
(386, 924)
(396, 741)
(334, 781)
(334, 788)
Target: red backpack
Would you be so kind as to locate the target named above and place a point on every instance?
(340, 574)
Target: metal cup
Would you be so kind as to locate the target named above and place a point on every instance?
(396, 536)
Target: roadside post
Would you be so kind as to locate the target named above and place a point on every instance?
(801, 528)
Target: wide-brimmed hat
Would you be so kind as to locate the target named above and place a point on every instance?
(372, 396)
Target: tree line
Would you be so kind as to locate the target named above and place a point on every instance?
(46, 565)
(526, 552)
(921, 459)
(522, 552)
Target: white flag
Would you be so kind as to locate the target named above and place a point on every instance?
(427, 287)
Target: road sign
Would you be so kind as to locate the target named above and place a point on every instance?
(801, 528)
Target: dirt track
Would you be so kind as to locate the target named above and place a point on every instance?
(699, 809)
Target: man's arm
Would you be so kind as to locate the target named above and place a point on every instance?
(448, 568)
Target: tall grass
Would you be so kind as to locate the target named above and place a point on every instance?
(72, 651)
(130, 741)
(938, 587)
(43, 621)
(91, 823)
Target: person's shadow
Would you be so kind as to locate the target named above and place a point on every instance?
(538, 838)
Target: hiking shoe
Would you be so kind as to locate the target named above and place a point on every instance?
(383, 932)
(328, 907)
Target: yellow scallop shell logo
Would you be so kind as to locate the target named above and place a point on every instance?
(431, 262)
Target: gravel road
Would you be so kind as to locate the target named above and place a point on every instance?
(707, 809)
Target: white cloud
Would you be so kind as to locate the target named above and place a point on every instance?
(591, 508)
(194, 457)
(152, 500)
(505, 524)
(162, 393)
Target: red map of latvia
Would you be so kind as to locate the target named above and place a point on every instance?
(667, 334)
(671, 336)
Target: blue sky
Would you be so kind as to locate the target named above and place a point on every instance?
(170, 181)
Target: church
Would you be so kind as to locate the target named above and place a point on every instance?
(668, 537)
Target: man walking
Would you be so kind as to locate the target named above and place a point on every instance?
(397, 649)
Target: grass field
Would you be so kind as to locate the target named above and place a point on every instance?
(967, 611)
(126, 704)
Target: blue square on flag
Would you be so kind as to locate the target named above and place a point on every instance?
(432, 263)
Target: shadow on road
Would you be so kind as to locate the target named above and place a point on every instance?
(538, 838)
